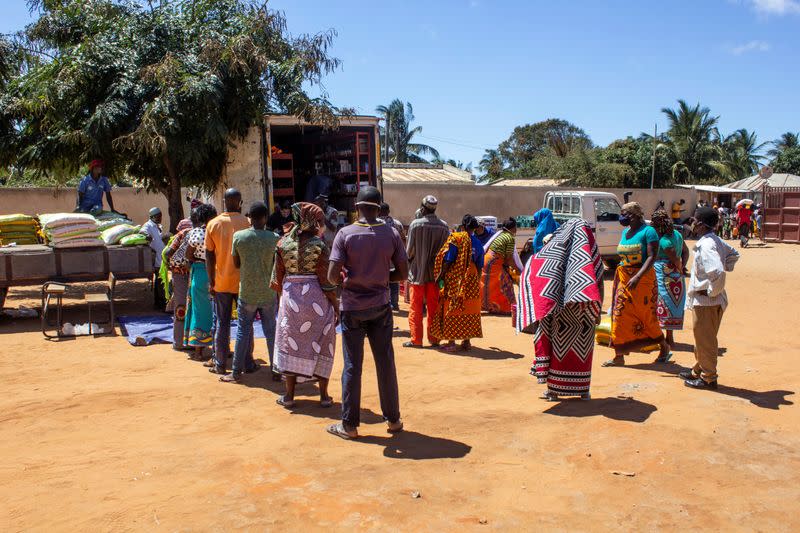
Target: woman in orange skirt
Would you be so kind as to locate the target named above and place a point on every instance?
(634, 319)
(497, 283)
(456, 269)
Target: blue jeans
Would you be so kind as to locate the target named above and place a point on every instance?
(243, 353)
(376, 325)
(223, 311)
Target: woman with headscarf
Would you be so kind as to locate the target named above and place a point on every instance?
(670, 264)
(497, 283)
(561, 293)
(175, 261)
(199, 320)
(456, 268)
(305, 334)
(545, 225)
(634, 321)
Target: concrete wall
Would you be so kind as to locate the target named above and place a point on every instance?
(504, 202)
(243, 170)
(38, 200)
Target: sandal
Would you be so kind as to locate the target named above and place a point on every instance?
(548, 396)
(409, 344)
(283, 402)
(664, 359)
(327, 402)
(217, 370)
(614, 362)
(340, 431)
(230, 378)
(395, 427)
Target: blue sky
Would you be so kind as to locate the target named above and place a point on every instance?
(475, 69)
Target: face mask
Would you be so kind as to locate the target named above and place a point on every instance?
(624, 220)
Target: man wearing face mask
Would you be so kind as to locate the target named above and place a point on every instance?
(706, 298)
(634, 319)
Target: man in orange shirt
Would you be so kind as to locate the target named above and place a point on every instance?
(223, 276)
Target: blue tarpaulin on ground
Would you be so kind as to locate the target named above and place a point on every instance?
(158, 329)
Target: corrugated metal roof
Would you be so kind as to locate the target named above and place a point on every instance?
(756, 183)
(713, 188)
(411, 173)
(545, 182)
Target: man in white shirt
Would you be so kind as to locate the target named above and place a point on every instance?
(706, 297)
(152, 228)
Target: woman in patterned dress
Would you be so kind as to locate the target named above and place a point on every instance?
(305, 334)
(199, 315)
(457, 268)
(174, 257)
(497, 284)
(670, 264)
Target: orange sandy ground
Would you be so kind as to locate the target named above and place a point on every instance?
(98, 435)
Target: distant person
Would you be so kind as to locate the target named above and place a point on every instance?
(669, 266)
(545, 225)
(677, 211)
(497, 283)
(152, 228)
(426, 236)
(305, 340)
(223, 276)
(567, 308)
(483, 233)
(318, 185)
(175, 256)
(707, 299)
(457, 270)
(331, 219)
(744, 221)
(386, 216)
(281, 217)
(634, 321)
(253, 252)
(199, 313)
(362, 258)
(91, 189)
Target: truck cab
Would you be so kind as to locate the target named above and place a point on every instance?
(600, 210)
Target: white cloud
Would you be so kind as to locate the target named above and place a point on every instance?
(751, 46)
(776, 7)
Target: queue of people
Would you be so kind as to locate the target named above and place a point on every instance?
(303, 289)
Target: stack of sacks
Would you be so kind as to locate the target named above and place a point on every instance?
(18, 229)
(109, 219)
(115, 234)
(134, 239)
(70, 230)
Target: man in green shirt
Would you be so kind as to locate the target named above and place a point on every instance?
(253, 251)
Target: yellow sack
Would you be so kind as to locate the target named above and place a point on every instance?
(602, 335)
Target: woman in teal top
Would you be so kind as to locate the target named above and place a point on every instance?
(634, 322)
(670, 266)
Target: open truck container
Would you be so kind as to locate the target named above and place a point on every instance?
(280, 159)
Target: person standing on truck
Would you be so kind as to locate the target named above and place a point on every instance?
(92, 187)
(152, 228)
(361, 261)
(331, 218)
(426, 236)
(223, 276)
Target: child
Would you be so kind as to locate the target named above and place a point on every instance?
(706, 297)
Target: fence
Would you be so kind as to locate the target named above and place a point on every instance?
(782, 214)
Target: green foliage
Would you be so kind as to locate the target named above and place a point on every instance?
(530, 141)
(399, 117)
(786, 141)
(788, 161)
(158, 92)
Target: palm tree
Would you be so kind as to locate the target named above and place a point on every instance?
(492, 165)
(786, 141)
(738, 156)
(401, 148)
(691, 138)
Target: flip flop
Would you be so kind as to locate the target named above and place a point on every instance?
(664, 359)
(327, 402)
(409, 344)
(613, 362)
(339, 431)
(283, 402)
(230, 378)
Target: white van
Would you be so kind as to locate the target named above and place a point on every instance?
(599, 209)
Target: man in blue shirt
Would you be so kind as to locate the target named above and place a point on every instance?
(91, 189)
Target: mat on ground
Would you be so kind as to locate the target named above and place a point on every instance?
(157, 329)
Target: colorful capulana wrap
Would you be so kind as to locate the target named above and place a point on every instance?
(459, 314)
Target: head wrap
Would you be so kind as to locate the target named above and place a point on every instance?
(662, 222)
(96, 163)
(195, 203)
(545, 225)
(307, 218)
(184, 224)
(634, 209)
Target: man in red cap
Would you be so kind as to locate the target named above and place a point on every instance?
(91, 189)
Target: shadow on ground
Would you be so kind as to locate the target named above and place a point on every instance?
(416, 446)
(627, 410)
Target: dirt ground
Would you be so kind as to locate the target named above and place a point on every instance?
(98, 435)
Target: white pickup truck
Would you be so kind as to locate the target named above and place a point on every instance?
(599, 209)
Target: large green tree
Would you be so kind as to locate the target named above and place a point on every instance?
(402, 148)
(552, 136)
(159, 90)
(788, 161)
(739, 156)
(786, 141)
(692, 138)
